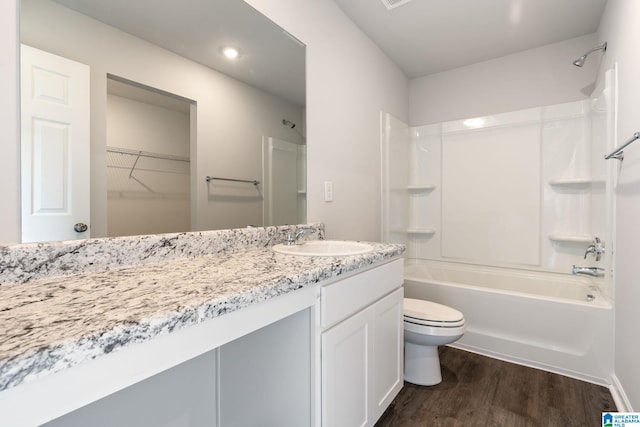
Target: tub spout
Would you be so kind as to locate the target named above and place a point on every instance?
(589, 271)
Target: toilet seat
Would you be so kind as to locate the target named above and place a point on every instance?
(427, 313)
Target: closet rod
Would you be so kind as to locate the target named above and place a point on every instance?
(140, 153)
(617, 153)
(250, 181)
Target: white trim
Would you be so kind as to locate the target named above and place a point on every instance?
(619, 396)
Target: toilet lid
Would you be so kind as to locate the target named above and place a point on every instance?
(431, 313)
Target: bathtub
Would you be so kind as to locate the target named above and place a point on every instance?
(556, 322)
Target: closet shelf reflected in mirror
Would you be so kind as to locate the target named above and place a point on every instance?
(130, 158)
(133, 172)
(147, 154)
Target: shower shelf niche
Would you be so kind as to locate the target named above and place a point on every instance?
(570, 238)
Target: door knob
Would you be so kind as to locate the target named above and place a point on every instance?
(80, 227)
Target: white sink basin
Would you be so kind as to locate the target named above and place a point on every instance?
(324, 248)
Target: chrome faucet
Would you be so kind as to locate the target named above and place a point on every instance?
(292, 239)
(596, 248)
(588, 271)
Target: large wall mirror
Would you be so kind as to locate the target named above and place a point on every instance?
(179, 137)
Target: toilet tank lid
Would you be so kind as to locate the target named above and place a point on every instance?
(427, 310)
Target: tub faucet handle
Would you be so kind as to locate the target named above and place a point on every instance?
(596, 248)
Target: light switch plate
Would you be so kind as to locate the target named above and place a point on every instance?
(328, 191)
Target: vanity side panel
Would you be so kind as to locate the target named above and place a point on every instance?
(183, 396)
(266, 376)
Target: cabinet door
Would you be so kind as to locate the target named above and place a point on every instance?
(346, 371)
(387, 355)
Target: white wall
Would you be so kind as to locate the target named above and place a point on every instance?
(349, 80)
(532, 78)
(9, 155)
(619, 28)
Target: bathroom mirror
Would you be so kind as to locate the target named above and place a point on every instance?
(234, 112)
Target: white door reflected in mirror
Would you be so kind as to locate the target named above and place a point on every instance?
(54, 147)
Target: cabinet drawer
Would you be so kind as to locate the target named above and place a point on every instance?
(345, 297)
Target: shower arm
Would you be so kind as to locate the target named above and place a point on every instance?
(603, 46)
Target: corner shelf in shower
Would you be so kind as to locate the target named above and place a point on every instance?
(570, 238)
(574, 182)
(425, 187)
(421, 231)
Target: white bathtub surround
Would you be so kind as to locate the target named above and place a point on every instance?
(523, 189)
(556, 322)
(23, 262)
(56, 322)
(490, 197)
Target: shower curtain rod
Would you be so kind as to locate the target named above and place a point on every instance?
(617, 153)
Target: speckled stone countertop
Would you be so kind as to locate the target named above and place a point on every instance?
(55, 322)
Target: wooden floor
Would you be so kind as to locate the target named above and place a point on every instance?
(481, 391)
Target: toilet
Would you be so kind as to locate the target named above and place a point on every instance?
(426, 326)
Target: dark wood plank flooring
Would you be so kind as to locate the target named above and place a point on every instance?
(481, 391)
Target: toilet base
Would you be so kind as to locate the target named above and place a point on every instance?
(421, 364)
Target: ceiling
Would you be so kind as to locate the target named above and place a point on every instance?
(429, 36)
(271, 59)
(421, 36)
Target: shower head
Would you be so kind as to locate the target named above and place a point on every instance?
(580, 61)
(288, 124)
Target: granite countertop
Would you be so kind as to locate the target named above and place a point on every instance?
(54, 323)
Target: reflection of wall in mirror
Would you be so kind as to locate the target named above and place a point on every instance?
(284, 184)
(231, 116)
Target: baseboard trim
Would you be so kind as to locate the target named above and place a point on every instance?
(619, 396)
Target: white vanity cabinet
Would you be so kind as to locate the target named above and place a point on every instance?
(327, 353)
(361, 345)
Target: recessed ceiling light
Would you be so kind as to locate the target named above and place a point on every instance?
(230, 52)
(474, 123)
